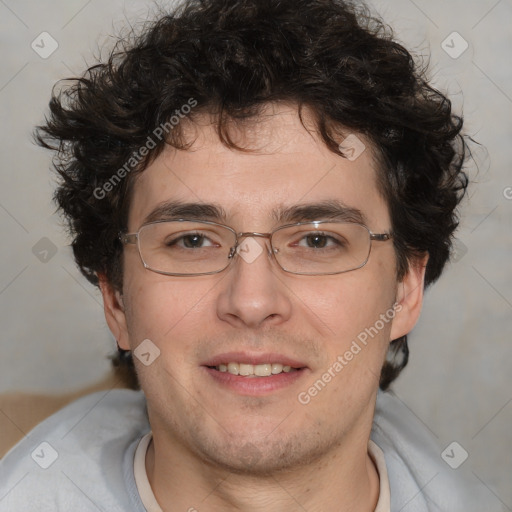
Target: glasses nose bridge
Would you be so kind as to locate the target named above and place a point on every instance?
(246, 234)
(251, 234)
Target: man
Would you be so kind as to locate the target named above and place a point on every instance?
(261, 190)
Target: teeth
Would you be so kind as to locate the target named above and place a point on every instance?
(276, 368)
(234, 368)
(246, 369)
(263, 370)
(258, 370)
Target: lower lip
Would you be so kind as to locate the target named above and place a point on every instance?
(255, 386)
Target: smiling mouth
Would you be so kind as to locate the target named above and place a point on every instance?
(254, 370)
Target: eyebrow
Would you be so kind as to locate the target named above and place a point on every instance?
(171, 210)
(328, 210)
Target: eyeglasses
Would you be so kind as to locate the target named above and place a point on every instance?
(186, 247)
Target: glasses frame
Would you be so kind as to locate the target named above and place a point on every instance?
(134, 239)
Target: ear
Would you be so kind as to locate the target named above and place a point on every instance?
(114, 312)
(409, 298)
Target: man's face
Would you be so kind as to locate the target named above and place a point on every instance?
(256, 312)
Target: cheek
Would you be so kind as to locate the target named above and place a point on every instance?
(344, 305)
(162, 308)
(168, 314)
(356, 323)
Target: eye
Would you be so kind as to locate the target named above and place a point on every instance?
(319, 241)
(190, 241)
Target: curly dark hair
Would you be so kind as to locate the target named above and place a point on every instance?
(231, 58)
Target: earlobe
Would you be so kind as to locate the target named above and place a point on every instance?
(114, 309)
(409, 298)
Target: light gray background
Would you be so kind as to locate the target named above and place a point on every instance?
(458, 381)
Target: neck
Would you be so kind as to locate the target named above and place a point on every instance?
(344, 479)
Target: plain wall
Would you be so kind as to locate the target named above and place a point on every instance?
(458, 382)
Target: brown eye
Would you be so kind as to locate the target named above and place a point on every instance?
(190, 241)
(320, 241)
(316, 241)
(193, 241)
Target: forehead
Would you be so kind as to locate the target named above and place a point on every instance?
(285, 165)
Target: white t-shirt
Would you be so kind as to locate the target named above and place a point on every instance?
(82, 459)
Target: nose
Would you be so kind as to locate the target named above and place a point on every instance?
(253, 292)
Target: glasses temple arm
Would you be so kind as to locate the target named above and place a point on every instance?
(128, 238)
(381, 237)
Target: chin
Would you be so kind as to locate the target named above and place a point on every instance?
(264, 457)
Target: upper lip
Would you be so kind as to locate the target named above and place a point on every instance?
(253, 358)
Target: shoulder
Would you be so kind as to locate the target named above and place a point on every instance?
(420, 480)
(76, 457)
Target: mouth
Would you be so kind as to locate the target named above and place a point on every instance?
(254, 374)
(254, 370)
